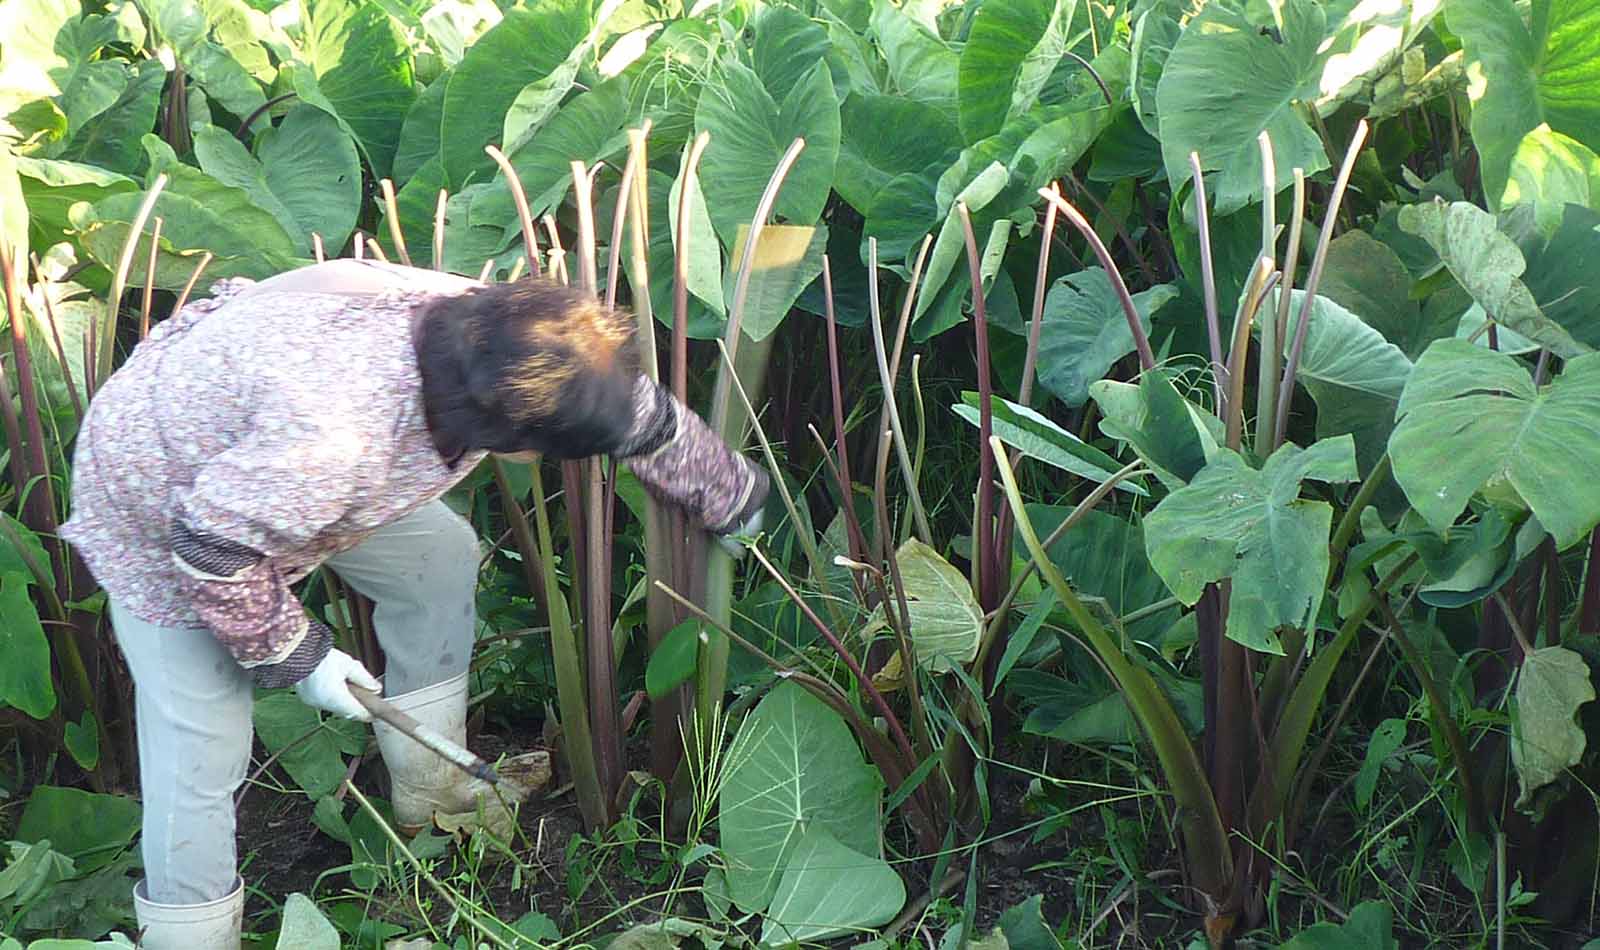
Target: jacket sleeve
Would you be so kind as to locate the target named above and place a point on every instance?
(682, 462)
(267, 496)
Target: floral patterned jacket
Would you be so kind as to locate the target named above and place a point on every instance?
(260, 431)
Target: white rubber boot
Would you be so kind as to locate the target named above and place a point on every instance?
(211, 926)
(424, 784)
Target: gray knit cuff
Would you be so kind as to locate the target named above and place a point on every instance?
(312, 649)
(207, 556)
(697, 472)
(655, 419)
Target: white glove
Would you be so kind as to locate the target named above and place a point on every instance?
(749, 529)
(328, 686)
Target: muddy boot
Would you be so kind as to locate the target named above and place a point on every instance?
(214, 925)
(426, 787)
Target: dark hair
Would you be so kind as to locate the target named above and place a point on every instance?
(528, 365)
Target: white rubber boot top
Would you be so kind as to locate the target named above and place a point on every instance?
(214, 925)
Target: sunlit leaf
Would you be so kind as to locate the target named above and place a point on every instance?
(922, 66)
(1525, 78)
(1550, 171)
(788, 257)
(1227, 81)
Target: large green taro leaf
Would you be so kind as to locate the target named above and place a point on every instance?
(886, 136)
(1472, 420)
(527, 45)
(186, 26)
(1226, 81)
(87, 827)
(1084, 331)
(586, 129)
(1010, 53)
(1353, 373)
(198, 214)
(25, 680)
(829, 890)
(751, 132)
(1545, 71)
(305, 173)
(793, 767)
(1171, 434)
(1489, 266)
(922, 66)
(1550, 171)
(363, 71)
(1233, 521)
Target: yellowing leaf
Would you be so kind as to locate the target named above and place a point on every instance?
(946, 621)
(1545, 739)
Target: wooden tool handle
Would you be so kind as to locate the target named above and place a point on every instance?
(456, 755)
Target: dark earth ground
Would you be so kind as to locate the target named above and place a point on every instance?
(285, 852)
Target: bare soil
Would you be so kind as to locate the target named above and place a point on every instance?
(282, 852)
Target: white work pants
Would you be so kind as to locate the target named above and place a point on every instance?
(193, 700)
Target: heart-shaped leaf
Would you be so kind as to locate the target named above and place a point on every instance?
(750, 132)
(1252, 526)
(304, 926)
(827, 890)
(922, 66)
(1546, 740)
(306, 174)
(1085, 331)
(1488, 264)
(527, 45)
(1547, 75)
(883, 137)
(363, 70)
(199, 214)
(1353, 373)
(1471, 419)
(1228, 80)
(794, 767)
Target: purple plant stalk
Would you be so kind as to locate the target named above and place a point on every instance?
(1141, 340)
(1313, 279)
